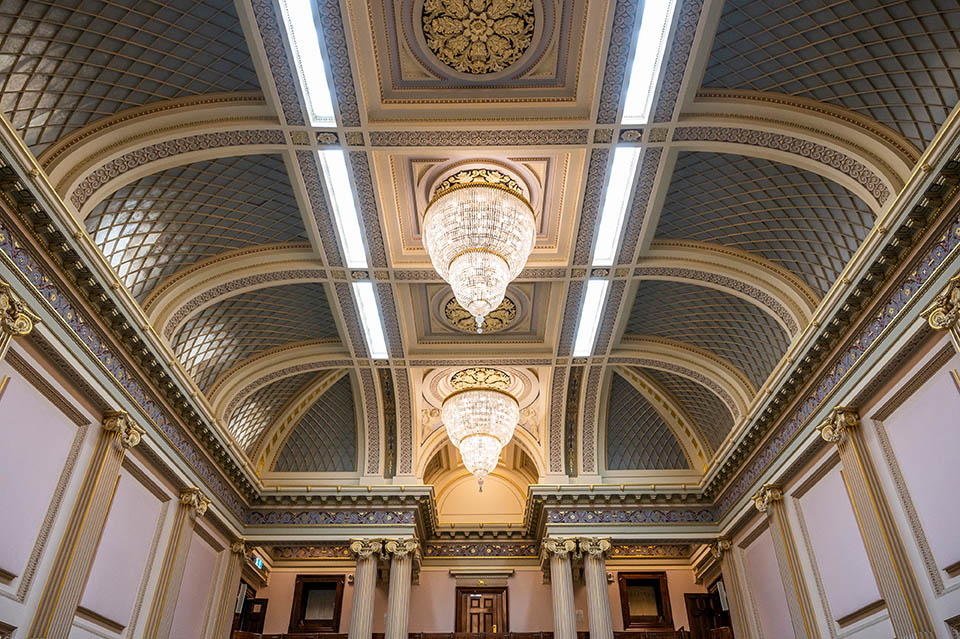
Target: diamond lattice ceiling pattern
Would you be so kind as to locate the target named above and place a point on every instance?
(738, 218)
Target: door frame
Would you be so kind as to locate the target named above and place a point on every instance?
(488, 589)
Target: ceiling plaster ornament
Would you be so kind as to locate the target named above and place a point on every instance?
(479, 230)
(496, 320)
(478, 36)
(480, 417)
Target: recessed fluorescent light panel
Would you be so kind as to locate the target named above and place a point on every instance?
(647, 58)
(625, 159)
(304, 34)
(590, 314)
(333, 162)
(370, 318)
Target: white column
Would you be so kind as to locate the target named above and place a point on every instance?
(364, 586)
(402, 553)
(561, 582)
(594, 551)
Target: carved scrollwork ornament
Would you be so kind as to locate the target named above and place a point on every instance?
(16, 320)
(836, 424)
(767, 494)
(120, 422)
(195, 499)
(719, 547)
(595, 546)
(364, 548)
(559, 546)
(944, 312)
(400, 548)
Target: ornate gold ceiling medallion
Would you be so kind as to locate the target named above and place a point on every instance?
(477, 176)
(481, 377)
(478, 36)
(495, 321)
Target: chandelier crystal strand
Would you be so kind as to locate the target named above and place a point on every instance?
(479, 235)
(480, 422)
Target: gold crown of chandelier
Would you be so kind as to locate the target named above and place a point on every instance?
(479, 230)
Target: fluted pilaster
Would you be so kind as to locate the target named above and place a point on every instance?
(16, 320)
(61, 594)
(227, 603)
(594, 551)
(722, 551)
(888, 558)
(769, 500)
(560, 553)
(367, 552)
(402, 553)
(192, 504)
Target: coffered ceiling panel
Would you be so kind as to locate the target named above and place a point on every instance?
(806, 223)
(160, 223)
(325, 439)
(727, 326)
(711, 417)
(226, 333)
(637, 436)
(259, 410)
(897, 62)
(66, 63)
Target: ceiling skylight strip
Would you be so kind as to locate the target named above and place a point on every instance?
(333, 163)
(619, 184)
(303, 30)
(590, 314)
(366, 299)
(647, 60)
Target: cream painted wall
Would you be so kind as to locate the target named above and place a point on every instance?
(198, 585)
(765, 587)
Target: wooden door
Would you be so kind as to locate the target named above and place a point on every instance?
(703, 614)
(254, 613)
(482, 610)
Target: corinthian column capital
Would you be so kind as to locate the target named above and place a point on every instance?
(719, 547)
(193, 498)
(836, 424)
(944, 312)
(767, 494)
(400, 548)
(559, 546)
(15, 318)
(595, 546)
(239, 546)
(364, 548)
(120, 422)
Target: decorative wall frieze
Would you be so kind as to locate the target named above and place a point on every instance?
(518, 137)
(631, 516)
(334, 550)
(481, 549)
(343, 517)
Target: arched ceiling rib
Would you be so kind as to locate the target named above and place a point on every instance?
(798, 220)
(894, 61)
(65, 64)
(325, 437)
(637, 437)
(161, 223)
(255, 414)
(228, 332)
(727, 326)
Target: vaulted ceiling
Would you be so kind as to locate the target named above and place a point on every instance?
(177, 134)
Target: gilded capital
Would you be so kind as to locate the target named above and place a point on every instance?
(720, 546)
(767, 494)
(364, 548)
(559, 546)
(400, 548)
(120, 422)
(239, 546)
(595, 546)
(15, 318)
(195, 499)
(836, 424)
(944, 312)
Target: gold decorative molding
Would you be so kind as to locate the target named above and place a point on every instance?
(481, 378)
(16, 320)
(364, 548)
(595, 546)
(194, 499)
(560, 546)
(239, 546)
(400, 548)
(767, 494)
(836, 424)
(943, 313)
(120, 422)
(720, 547)
(479, 36)
(496, 320)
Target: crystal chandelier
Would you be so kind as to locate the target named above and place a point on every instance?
(479, 230)
(480, 417)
